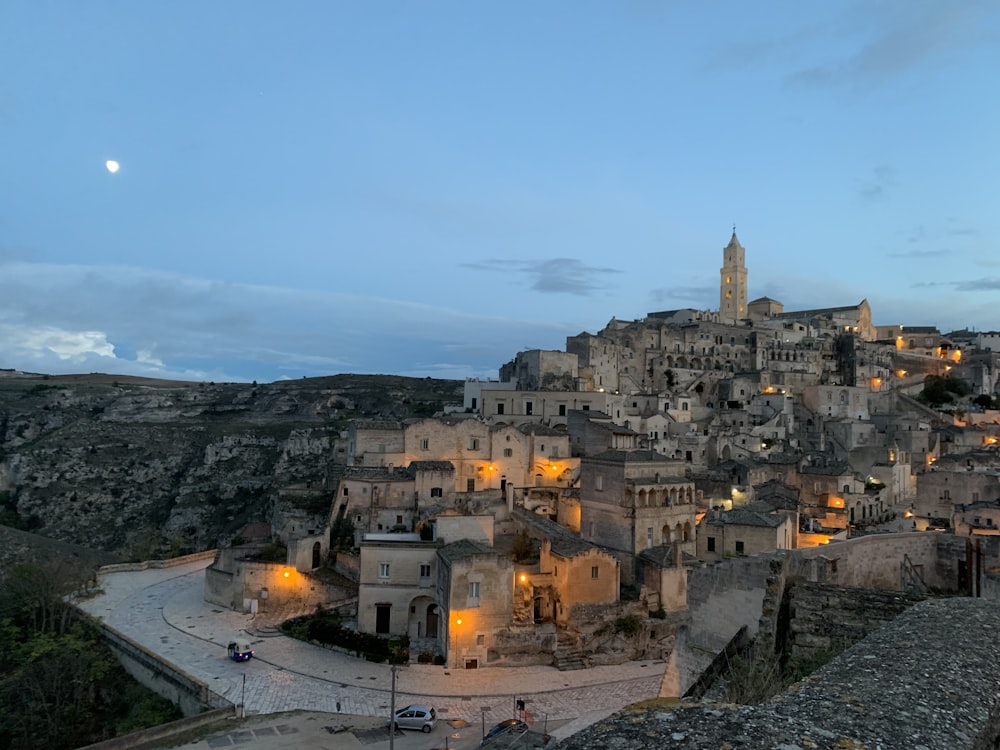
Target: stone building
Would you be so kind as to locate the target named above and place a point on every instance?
(475, 587)
(741, 531)
(633, 500)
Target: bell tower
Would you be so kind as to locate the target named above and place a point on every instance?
(733, 282)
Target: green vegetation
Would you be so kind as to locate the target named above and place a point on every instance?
(275, 552)
(60, 687)
(342, 534)
(942, 390)
(10, 517)
(628, 626)
(323, 626)
(987, 402)
(522, 548)
(757, 677)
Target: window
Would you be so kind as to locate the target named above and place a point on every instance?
(345, 492)
(649, 537)
(555, 452)
(473, 589)
(399, 519)
(739, 548)
(585, 407)
(598, 483)
(383, 570)
(562, 410)
(499, 408)
(529, 408)
(508, 452)
(474, 444)
(425, 444)
(480, 640)
(425, 570)
(436, 492)
(711, 544)
(594, 571)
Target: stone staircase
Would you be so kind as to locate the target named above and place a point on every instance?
(568, 655)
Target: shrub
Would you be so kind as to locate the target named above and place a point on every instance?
(659, 614)
(522, 548)
(629, 625)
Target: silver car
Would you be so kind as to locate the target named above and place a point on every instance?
(416, 717)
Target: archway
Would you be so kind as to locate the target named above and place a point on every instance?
(316, 555)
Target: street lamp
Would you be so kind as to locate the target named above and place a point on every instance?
(392, 708)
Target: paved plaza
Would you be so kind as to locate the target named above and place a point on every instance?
(164, 610)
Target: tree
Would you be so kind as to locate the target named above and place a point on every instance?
(60, 686)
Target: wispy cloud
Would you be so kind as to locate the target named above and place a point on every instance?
(75, 318)
(969, 285)
(558, 275)
(877, 183)
(897, 37)
(917, 253)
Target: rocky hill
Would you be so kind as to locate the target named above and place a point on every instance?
(147, 468)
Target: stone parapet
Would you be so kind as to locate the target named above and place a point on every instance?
(927, 680)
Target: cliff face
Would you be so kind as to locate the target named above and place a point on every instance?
(148, 468)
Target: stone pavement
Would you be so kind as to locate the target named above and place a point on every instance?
(164, 610)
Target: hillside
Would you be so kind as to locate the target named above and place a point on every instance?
(143, 468)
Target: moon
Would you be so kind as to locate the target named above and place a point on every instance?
(112, 165)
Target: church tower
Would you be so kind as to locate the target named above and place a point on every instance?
(733, 282)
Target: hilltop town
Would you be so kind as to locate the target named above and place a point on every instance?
(663, 488)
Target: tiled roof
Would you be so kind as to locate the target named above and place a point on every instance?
(464, 548)
(745, 517)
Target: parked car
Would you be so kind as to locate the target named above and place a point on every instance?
(416, 717)
(508, 727)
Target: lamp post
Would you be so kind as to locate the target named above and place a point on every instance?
(392, 708)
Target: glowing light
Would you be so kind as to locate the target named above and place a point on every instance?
(523, 578)
(286, 574)
(458, 621)
(112, 166)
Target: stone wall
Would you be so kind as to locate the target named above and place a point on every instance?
(189, 693)
(825, 619)
(927, 680)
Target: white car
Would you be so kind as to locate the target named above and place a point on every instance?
(416, 717)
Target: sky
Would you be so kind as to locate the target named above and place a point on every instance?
(428, 188)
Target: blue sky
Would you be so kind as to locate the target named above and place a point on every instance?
(310, 188)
